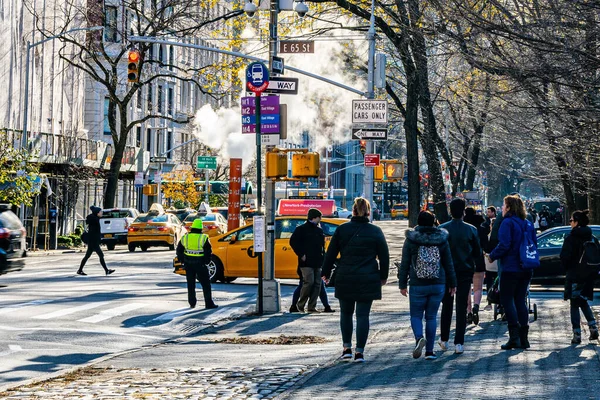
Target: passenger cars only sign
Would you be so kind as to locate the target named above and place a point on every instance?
(369, 111)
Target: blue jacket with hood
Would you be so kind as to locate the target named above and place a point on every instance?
(510, 236)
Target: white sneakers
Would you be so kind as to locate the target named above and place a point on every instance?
(443, 345)
(459, 349)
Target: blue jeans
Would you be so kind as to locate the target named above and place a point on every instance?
(363, 309)
(513, 297)
(322, 294)
(581, 303)
(425, 299)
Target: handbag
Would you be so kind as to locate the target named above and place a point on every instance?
(85, 237)
(491, 266)
(493, 295)
(331, 282)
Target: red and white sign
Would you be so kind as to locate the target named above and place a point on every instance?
(371, 160)
(235, 186)
(301, 207)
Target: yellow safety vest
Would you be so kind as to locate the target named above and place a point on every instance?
(194, 244)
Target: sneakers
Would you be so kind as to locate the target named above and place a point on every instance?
(476, 314)
(421, 342)
(430, 355)
(81, 273)
(593, 332)
(469, 318)
(293, 308)
(313, 311)
(359, 358)
(459, 349)
(576, 336)
(211, 306)
(300, 309)
(109, 271)
(488, 307)
(346, 355)
(328, 309)
(443, 345)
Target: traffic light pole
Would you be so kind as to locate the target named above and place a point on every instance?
(271, 288)
(368, 179)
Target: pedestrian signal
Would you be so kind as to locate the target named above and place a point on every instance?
(133, 62)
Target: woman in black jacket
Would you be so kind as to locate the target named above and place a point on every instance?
(426, 290)
(93, 241)
(358, 275)
(471, 217)
(579, 283)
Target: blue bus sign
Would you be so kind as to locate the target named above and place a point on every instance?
(257, 77)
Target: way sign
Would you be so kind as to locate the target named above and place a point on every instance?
(206, 162)
(282, 85)
(257, 77)
(369, 133)
(371, 160)
(158, 159)
(369, 111)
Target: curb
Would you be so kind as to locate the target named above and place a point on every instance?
(43, 253)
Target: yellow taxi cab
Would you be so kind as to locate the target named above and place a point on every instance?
(214, 223)
(399, 211)
(233, 254)
(156, 228)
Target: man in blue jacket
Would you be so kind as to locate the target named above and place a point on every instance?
(465, 248)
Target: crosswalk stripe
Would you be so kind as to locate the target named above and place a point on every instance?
(16, 307)
(113, 312)
(172, 314)
(71, 310)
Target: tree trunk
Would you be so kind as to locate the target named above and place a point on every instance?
(412, 149)
(474, 158)
(112, 183)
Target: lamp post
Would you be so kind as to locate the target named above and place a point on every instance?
(27, 61)
(368, 179)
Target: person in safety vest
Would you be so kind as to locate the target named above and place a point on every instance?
(194, 250)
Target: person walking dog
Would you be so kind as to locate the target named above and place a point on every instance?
(195, 251)
(93, 241)
(361, 271)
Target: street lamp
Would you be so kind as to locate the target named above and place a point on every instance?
(29, 46)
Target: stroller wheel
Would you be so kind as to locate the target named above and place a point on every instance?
(535, 312)
(495, 312)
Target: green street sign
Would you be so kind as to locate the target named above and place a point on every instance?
(206, 162)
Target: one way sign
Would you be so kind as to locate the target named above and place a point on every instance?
(369, 133)
(282, 85)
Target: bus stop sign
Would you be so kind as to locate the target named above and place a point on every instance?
(257, 77)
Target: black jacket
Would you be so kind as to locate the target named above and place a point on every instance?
(425, 236)
(93, 223)
(493, 241)
(308, 239)
(191, 262)
(464, 245)
(358, 274)
(569, 257)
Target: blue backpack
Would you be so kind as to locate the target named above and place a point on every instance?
(530, 258)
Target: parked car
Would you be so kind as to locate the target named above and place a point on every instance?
(399, 211)
(181, 213)
(156, 228)
(549, 246)
(233, 254)
(12, 241)
(343, 213)
(114, 224)
(214, 223)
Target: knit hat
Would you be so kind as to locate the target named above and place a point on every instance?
(95, 210)
(313, 213)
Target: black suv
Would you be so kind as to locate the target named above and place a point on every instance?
(12, 241)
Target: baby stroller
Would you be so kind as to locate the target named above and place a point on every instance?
(493, 297)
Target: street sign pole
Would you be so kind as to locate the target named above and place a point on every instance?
(206, 186)
(259, 199)
(368, 180)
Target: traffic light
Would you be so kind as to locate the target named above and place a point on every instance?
(378, 173)
(363, 146)
(133, 62)
(394, 171)
(276, 165)
(305, 165)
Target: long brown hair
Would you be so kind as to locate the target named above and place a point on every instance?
(516, 206)
(361, 207)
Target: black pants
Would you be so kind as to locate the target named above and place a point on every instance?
(200, 272)
(93, 247)
(462, 294)
(513, 297)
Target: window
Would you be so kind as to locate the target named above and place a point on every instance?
(161, 56)
(170, 101)
(139, 98)
(151, 52)
(138, 136)
(246, 234)
(148, 139)
(110, 24)
(554, 239)
(159, 99)
(106, 108)
(149, 99)
(171, 57)
(285, 227)
(169, 143)
(328, 229)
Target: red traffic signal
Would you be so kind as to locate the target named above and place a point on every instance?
(133, 61)
(363, 146)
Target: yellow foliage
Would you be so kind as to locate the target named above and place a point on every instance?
(180, 186)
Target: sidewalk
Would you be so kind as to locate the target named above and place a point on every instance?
(245, 359)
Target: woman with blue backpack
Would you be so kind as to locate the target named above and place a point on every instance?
(517, 252)
(579, 257)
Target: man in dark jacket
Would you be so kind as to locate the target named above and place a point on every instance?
(465, 249)
(93, 241)
(308, 242)
(545, 219)
(195, 251)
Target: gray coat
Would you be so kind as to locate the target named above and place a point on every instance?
(425, 236)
